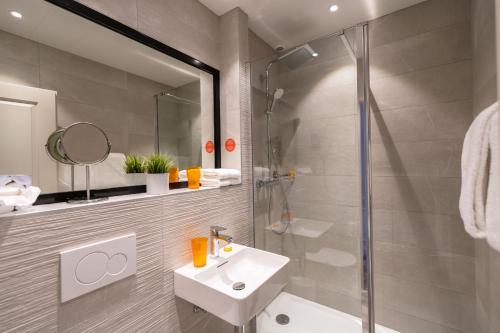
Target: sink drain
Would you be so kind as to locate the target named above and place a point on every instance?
(282, 319)
(238, 285)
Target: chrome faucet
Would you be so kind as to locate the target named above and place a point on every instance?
(215, 237)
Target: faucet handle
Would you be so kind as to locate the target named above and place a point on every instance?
(215, 229)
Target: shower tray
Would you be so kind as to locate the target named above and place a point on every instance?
(305, 316)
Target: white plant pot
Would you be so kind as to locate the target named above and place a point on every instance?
(157, 183)
(134, 179)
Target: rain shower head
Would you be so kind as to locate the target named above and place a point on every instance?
(297, 56)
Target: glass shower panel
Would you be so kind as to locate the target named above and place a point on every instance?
(179, 126)
(306, 197)
(429, 272)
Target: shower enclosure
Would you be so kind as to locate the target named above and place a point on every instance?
(312, 181)
(385, 245)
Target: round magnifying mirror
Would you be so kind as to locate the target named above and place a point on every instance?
(53, 147)
(84, 143)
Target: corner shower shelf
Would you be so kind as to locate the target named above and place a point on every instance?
(332, 257)
(306, 227)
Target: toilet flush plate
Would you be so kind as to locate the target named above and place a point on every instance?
(92, 266)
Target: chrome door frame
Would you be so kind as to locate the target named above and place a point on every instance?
(363, 104)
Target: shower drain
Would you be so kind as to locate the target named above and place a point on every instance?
(282, 319)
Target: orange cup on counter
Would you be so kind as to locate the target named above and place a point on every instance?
(199, 248)
(173, 175)
(193, 176)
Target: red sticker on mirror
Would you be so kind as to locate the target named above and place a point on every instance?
(230, 145)
(209, 147)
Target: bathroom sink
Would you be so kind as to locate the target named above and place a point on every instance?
(236, 286)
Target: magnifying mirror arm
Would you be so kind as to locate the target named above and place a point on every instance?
(72, 177)
(87, 181)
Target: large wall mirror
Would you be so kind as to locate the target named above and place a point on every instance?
(62, 63)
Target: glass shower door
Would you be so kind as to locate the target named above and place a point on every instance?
(307, 204)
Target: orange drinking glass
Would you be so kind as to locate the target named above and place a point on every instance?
(194, 175)
(173, 175)
(199, 247)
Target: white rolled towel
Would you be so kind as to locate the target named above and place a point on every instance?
(493, 194)
(474, 173)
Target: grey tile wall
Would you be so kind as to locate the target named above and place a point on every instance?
(121, 103)
(484, 94)
(421, 66)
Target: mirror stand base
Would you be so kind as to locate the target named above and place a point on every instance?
(86, 201)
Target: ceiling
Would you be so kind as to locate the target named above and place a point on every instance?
(292, 22)
(56, 27)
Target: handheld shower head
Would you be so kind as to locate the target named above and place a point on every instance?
(278, 93)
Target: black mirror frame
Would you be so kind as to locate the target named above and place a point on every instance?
(118, 27)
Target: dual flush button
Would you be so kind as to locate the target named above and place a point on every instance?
(92, 266)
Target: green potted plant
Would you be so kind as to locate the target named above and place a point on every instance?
(134, 168)
(156, 167)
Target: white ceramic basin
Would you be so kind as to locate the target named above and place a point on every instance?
(211, 287)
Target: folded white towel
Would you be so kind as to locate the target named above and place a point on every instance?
(209, 182)
(9, 191)
(221, 173)
(474, 175)
(493, 196)
(26, 199)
